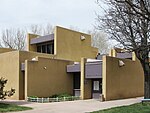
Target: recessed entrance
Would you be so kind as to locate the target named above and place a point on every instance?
(76, 83)
(96, 88)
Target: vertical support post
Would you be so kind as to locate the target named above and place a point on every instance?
(82, 85)
(64, 98)
(57, 99)
(37, 99)
(104, 87)
(42, 100)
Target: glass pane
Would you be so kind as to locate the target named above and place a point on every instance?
(48, 49)
(76, 80)
(96, 85)
(39, 49)
(52, 48)
(43, 48)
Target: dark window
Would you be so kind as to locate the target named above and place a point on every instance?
(52, 48)
(46, 48)
(76, 80)
(39, 49)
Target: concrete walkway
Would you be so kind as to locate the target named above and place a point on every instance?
(80, 106)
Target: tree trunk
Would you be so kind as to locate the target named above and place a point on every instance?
(146, 68)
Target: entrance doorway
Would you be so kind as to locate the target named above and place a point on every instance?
(96, 88)
(76, 84)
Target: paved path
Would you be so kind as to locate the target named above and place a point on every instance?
(80, 106)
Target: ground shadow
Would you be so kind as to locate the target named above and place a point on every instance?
(16, 102)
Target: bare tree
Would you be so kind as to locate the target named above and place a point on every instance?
(42, 29)
(13, 38)
(141, 8)
(100, 41)
(16, 38)
(127, 21)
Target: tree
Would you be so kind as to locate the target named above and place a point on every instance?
(3, 93)
(140, 7)
(128, 22)
(99, 40)
(42, 29)
(16, 38)
(13, 38)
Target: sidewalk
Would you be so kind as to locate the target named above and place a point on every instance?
(80, 106)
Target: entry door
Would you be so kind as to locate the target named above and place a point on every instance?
(76, 84)
(96, 88)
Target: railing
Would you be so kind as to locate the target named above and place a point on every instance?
(47, 100)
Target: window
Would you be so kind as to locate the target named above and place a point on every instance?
(46, 48)
(39, 49)
(96, 85)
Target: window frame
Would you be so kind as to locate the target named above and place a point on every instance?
(51, 43)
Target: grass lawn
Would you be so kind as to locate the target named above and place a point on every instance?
(10, 107)
(135, 108)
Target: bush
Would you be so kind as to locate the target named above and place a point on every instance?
(60, 95)
(33, 96)
(54, 96)
(5, 93)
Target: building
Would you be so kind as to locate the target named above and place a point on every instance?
(65, 62)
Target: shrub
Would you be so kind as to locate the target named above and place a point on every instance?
(54, 96)
(5, 93)
(60, 95)
(33, 96)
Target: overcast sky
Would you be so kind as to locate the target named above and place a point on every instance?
(66, 13)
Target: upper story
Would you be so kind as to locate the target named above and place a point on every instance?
(63, 44)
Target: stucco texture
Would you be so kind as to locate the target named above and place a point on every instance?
(47, 77)
(122, 82)
(10, 70)
(68, 45)
(86, 84)
(29, 46)
(4, 50)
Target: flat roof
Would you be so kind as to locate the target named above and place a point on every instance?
(41, 39)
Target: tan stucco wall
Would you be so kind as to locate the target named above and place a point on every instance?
(4, 50)
(46, 77)
(26, 55)
(68, 45)
(122, 82)
(86, 84)
(9, 69)
(29, 46)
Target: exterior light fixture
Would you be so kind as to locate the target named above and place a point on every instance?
(82, 38)
(121, 63)
(76, 63)
(45, 67)
(34, 59)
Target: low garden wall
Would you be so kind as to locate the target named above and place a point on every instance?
(57, 99)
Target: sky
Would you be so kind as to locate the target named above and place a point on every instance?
(66, 13)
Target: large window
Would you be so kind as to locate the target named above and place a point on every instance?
(46, 48)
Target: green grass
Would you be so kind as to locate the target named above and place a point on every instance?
(11, 107)
(135, 108)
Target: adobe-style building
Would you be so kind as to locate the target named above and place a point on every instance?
(65, 62)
